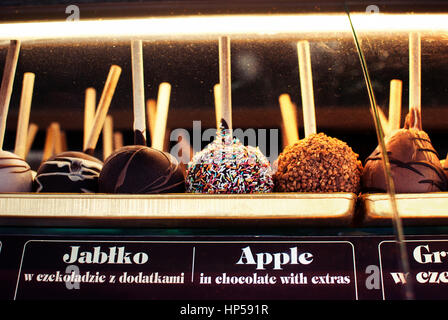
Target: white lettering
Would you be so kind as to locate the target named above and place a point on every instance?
(432, 277)
(116, 255)
(422, 254)
(278, 259)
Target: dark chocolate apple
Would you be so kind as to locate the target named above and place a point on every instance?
(138, 169)
(69, 172)
(414, 164)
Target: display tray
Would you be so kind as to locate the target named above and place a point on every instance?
(413, 208)
(177, 210)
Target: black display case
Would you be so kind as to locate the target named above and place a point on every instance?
(277, 246)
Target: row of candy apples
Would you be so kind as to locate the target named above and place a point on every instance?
(317, 163)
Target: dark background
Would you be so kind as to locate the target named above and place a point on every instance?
(262, 69)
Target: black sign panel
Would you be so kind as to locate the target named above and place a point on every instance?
(277, 270)
(71, 269)
(236, 267)
(428, 269)
(102, 270)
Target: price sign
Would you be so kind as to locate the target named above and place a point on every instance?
(84, 269)
(428, 274)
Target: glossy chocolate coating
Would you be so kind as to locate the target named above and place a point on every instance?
(444, 165)
(15, 173)
(139, 169)
(414, 164)
(69, 172)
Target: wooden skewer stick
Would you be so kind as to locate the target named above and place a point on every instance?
(306, 87)
(151, 112)
(284, 137)
(395, 104)
(108, 142)
(7, 83)
(163, 101)
(415, 80)
(31, 135)
(63, 141)
(51, 141)
(138, 92)
(48, 145)
(58, 138)
(24, 114)
(218, 104)
(289, 116)
(225, 82)
(384, 122)
(89, 113)
(118, 140)
(103, 107)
